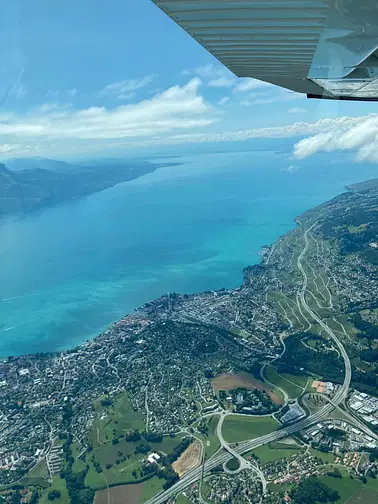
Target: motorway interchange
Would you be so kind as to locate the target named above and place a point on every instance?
(226, 452)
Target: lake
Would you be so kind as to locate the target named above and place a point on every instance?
(67, 272)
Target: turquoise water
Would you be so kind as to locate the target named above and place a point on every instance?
(69, 271)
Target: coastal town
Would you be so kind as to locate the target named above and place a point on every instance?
(207, 374)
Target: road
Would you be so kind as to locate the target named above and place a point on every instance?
(243, 463)
(343, 390)
(323, 414)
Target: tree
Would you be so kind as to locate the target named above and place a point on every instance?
(34, 498)
(54, 494)
(335, 473)
(313, 491)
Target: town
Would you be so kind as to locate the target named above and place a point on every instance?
(210, 373)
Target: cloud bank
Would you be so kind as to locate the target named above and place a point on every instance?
(177, 108)
(177, 115)
(358, 134)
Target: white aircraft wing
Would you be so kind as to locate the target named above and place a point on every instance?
(324, 48)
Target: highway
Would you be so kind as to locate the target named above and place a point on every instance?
(222, 456)
(343, 390)
(243, 463)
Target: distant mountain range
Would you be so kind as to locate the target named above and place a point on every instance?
(31, 184)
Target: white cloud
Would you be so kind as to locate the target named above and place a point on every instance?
(176, 115)
(205, 71)
(248, 84)
(224, 100)
(10, 148)
(297, 110)
(221, 82)
(177, 108)
(278, 95)
(72, 92)
(124, 90)
(358, 134)
(300, 128)
(291, 168)
(213, 75)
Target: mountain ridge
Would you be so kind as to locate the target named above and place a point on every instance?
(29, 185)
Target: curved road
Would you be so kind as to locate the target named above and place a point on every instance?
(222, 457)
(243, 463)
(342, 392)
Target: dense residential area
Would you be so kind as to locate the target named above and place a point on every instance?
(263, 394)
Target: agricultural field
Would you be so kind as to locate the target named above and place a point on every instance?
(151, 488)
(288, 307)
(327, 458)
(299, 380)
(230, 381)
(363, 496)
(189, 459)
(239, 427)
(272, 452)
(292, 390)
(132, 494)
(345, 486)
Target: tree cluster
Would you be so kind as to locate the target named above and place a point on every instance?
(313, 491)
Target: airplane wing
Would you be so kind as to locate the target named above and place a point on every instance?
(324, 48)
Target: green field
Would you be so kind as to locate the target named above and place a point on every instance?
(117, 474)
(272, 452)
(300, 380)
(117, 461)
(132, 494)
(211, 442)
(327, 458)
(239, 428)
(288, 308)
(353, 491)
(57, 484)
(122, 472)
(280, 488)
(109, 453)
(181, 499)
(118, 419)
(37, 476)
(291, 389)
(233, 464)
(151, 488)
(345, 486)
(78, 465)
(364, 496)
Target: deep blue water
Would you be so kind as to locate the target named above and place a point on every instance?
(69, 271)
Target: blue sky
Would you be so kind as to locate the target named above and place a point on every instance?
(92, 78)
